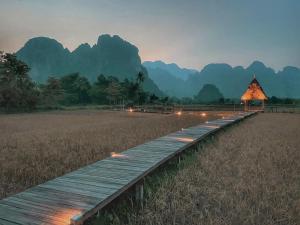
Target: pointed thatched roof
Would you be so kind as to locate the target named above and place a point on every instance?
(254, 92)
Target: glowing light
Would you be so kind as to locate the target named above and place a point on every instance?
(212, 126)
(117, 155)
(203, 114)
(130, 110)
(65, 216)
(185, 139)
(179, 113)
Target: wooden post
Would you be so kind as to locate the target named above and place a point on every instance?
(245, 105)
(139, 193)
(179, 159)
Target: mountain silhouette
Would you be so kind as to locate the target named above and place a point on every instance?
(172, 68)
(111, 56)
(231, 81)
(208, 94)
(170, 84)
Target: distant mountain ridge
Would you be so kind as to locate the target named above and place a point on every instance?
(231, 81)
(111, 56)
(172, 68)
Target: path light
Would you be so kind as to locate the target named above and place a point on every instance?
(179, 113)
(117, 155)
(212, 126)
(65, 215)
(183, 139)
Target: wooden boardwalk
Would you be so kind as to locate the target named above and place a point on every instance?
(72, 198)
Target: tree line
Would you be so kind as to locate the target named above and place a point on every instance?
(19, 93)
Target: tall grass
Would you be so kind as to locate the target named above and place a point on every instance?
(250, 174)
(40, 146)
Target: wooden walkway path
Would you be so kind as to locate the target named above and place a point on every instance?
(72, 198)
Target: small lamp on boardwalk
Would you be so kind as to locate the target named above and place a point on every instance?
(254, 92)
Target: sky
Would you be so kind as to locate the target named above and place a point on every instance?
(190, 33)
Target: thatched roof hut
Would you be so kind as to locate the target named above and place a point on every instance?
(254, 92)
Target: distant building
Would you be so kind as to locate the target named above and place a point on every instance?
(254, 92)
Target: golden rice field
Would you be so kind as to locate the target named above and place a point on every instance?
(40, 146)
(249, 174)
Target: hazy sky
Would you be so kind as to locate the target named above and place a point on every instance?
(191, 33)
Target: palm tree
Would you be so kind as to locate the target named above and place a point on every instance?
(140, 78)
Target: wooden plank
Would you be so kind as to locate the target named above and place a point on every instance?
(88, 193)
(122, 167)
(44, 213)
(115, 176)
(5, 222)
(28, 203)
(113, 170)
(136, 164)
(155, 154)
(128, 161)
(82, 185)
(52, 201)
(90, 182)
(14, 214)
(105, 180)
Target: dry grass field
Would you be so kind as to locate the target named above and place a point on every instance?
(37, 147)
(249, 174)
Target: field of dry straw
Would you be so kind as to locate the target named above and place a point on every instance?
(40, 146)
(250, 174)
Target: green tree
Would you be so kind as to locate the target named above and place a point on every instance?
(141, 96)
(51, 92)
(153, 98)
(113, 90)
(76, 89)
(209, 94)
(140, 77)
(164, 100)
(98, 91)
(17, 91)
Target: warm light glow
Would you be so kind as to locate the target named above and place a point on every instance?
(203, 114)
(179, 113)
(65, 216)
(254, 92)
(117, 155)
(212, 126)
(184, 139)
(130, 110)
